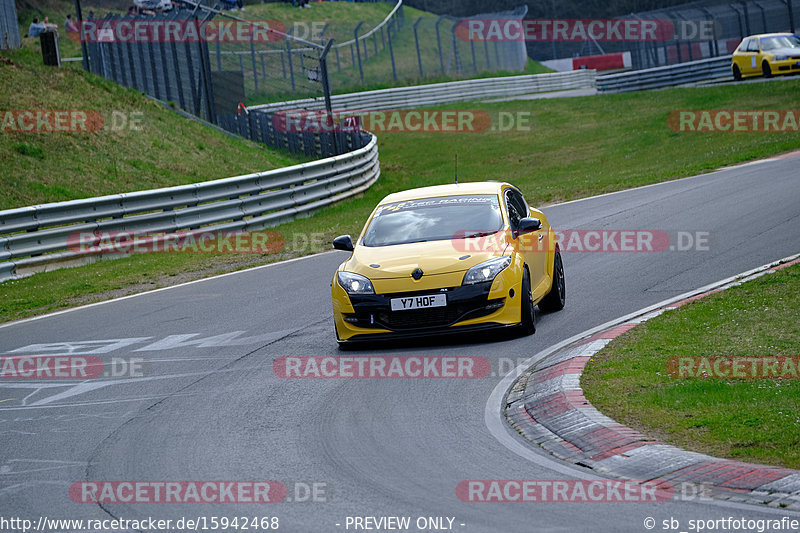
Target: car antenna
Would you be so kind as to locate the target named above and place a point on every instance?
(456, 172)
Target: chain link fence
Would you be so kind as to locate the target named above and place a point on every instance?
(210, 63)
(702, 29)
(9, 27)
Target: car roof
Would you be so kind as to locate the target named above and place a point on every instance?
(453, 189)
(762, 35)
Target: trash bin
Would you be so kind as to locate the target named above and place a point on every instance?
(50, 52)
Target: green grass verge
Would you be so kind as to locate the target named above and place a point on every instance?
(744, 419)
(575, 147)
(153, 147)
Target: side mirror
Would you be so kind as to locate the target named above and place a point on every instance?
(344, 243)
(528, 225)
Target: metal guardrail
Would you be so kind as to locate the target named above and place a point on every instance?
(36, 238)
(442, 93)
(669, 76)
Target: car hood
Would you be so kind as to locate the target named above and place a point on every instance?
(434, 257)
(791, 52)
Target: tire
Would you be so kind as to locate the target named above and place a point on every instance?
(766, 70)
(527, 321)
(557, 297)
(737, 74)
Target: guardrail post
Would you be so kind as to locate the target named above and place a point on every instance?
(358, 49)
(416, 42)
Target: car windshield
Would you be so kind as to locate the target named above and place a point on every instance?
(782, 41)
(434, 219)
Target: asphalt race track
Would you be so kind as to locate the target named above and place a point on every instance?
(209, 406)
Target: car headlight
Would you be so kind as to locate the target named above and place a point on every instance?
(355, 283)
(487, 270)
(780, 58)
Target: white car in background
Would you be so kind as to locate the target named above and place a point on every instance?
(155, 5)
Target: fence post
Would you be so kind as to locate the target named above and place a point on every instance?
(746, 17)
(416, 41)
(291, 66)
(791, 14)
(206, 69)
(439, 43)
(474, 60)
(178, 77)
(84, 48)
(326, 88)
(255, 67)
(456, 53)
(358, 49)
(391, 54)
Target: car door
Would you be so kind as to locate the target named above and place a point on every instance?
(753, 63)
(532, 246)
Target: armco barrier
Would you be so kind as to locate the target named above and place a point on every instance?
(653, 78)
(443, 93)
(35, 238)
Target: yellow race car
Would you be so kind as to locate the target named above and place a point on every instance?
(446, 259)
(766, 55)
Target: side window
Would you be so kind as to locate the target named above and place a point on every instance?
(752, 45)
(743, 46)
(517, 209)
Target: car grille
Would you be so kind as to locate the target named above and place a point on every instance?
(463, 303)
(435, 317)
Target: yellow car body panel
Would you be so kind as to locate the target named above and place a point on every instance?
(446, 262)
(749, 57)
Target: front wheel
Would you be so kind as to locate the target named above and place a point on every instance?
(527, 321)
(766, 70)
(555, 299)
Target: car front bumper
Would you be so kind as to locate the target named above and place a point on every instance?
(469, 308)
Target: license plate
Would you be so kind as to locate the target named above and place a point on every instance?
(419, 302)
